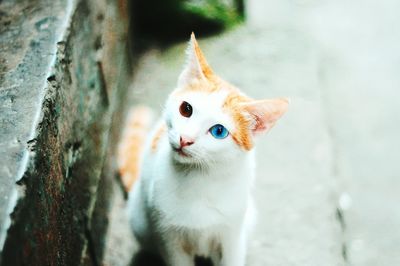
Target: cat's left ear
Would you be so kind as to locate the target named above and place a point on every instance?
(196, 68)
(265, 113)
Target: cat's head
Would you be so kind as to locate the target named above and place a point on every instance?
(209, 120)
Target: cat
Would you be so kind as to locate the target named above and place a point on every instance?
(192, 176)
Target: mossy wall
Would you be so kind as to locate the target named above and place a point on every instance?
(51, 223)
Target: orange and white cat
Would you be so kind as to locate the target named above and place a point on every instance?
(192, 196)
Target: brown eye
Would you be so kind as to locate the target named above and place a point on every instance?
(186, 109)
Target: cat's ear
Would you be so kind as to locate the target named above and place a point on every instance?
(196, 68)
(265, 113)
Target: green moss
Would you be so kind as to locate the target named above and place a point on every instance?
(215, 10)
(171, 20)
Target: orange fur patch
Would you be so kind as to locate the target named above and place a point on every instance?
(131, 146)
(187, 246)
(242, 135)
(156, 139)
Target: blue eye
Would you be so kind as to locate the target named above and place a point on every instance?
(219, 131)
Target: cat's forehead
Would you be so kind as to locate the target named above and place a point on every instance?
(204, 100)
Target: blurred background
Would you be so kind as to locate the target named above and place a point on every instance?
(328, 175)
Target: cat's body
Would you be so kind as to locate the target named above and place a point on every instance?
(193, 196)
(187, 212)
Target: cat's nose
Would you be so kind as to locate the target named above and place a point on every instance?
(185, 141)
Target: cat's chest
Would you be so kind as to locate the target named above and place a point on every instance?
(198, 201)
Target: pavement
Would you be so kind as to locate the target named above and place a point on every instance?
(328, 174)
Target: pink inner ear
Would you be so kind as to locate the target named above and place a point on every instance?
(265, 113)
(259, 125)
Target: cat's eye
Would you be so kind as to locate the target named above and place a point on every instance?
(219, 131)
(186, 109)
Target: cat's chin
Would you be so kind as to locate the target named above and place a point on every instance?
(182, 157)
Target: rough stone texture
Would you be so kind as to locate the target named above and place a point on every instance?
(28, 46)
(58, 93)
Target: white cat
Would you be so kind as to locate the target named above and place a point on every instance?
(196, 170)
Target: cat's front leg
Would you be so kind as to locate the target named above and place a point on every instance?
(178, 258)
(234, 249)
(174, 253)
(175, 256)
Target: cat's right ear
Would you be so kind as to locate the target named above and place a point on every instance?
(196, 68)
(265, 113)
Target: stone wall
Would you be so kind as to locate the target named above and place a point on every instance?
(64, 68)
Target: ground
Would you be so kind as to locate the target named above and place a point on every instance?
(327, 179)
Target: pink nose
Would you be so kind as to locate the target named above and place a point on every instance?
(185, 141)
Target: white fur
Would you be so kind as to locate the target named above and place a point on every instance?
(202, 202)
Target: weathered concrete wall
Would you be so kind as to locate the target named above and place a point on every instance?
(59, 88)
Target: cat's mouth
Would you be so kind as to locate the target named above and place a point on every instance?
(181, 152)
